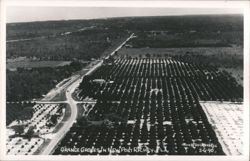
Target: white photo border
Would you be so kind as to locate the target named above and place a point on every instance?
(149, 4)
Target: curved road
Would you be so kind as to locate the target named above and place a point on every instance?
(67, 125)
(73, 105)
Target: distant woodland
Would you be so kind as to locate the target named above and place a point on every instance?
(97, 35)
(76, 40)
(26, 84)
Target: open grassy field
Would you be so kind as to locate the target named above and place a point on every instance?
(36, 64)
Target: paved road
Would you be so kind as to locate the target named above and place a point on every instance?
(62, 132)
(73, 104)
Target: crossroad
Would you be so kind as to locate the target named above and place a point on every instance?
(70, 88)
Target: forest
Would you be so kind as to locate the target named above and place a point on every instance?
(82, 45)
(85, 40)
(27, 84)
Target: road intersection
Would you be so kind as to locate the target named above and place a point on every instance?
(70, 88)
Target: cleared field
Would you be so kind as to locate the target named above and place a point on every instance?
(226, 120)
(36, 64)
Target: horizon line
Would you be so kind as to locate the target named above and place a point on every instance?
(106, 18)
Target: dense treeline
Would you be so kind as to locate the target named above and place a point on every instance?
(173, 23)
(187, 39)
(77, 45)
(185, 23)
(44, 28)
(26, 84)
(87, 39)
(182, 31)
(185, 31)
(18, 111)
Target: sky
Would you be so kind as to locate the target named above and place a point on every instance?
(28, 14)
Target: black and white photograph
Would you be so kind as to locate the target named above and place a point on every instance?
(126, 81)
